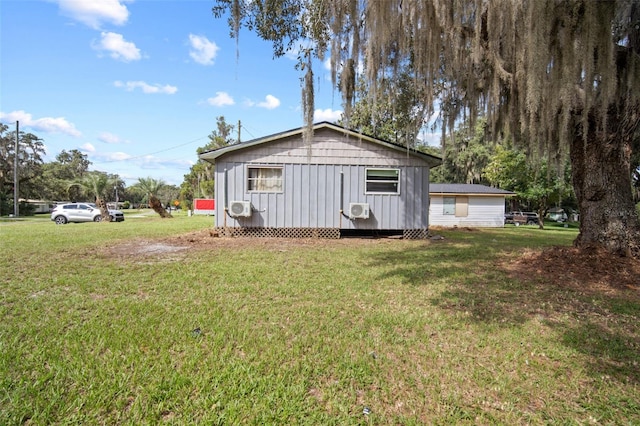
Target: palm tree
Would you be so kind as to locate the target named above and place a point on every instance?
(96, 184)
(152, 187)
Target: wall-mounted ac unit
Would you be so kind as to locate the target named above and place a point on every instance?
(240, 208)
(359, 210)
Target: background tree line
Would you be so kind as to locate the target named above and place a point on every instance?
(471, 154)
(67, 178)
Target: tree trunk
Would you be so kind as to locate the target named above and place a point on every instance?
(156, 205)
(104, 210)
(601, 168)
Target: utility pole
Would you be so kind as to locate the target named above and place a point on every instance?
(239, 131)
(15, 171)
(116, 188)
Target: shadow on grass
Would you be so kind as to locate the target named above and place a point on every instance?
(476, 276)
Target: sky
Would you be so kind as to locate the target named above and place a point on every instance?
(137, 85)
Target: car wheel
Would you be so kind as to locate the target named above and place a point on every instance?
(60, 220)
(97, 218)
(531, 222)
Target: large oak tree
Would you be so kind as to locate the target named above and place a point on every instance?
(558, 75)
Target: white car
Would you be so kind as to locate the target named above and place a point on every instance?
(82, 212)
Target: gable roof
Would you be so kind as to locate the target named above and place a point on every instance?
(211, 155)
(466, 188)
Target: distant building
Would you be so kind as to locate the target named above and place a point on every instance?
(467, 205)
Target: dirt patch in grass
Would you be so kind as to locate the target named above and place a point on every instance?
(585, 270)
(210, 239)
(178, 247)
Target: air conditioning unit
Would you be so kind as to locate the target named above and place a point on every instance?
(240, 208)
(359, 210)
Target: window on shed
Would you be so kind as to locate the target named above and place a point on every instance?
(383, 181)
(449, 205)
(264, 179)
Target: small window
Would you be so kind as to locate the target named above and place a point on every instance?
(383, 181)
(70, 207)
(449, 205)
(264, 179)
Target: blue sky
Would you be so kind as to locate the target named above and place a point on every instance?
(137, 85)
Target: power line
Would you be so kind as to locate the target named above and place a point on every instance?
(156, 152)
(247, 130)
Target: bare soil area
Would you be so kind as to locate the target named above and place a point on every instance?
(585, 270)
(590, 270)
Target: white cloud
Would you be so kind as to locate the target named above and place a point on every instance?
(88, 148)
(116, 156)
(104, 157)
(94, 12)
(221, 99)
(146, 88)
(45, 124)
(202, 51)
(110, 138)
(270, 102)
(118, 48)
(327, 115)
(153, 162)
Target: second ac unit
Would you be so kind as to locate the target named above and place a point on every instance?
(359, 210)
(240, 208)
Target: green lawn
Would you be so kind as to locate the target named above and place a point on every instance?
(277, 332)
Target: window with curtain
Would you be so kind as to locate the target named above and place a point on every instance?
(383, 181)
(264, 179)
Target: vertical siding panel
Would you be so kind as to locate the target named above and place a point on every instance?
(312, 188)
(333, 189)
(305, 197)
(328, 197)
(389, 210)
(298, 199)
(292, 211)
(289, 191)
(321, 182)
(409, 213)
(219, 194)
(426, 202)
(355, 193)
(411, 207)
(421, 186)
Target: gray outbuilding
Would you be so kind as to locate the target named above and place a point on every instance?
(340, 182)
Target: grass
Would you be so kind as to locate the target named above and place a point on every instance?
(409, 332)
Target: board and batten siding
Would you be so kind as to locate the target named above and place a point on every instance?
(482, 211)
(312, 185)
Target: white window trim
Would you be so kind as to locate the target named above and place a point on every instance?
(377, 192)
(264, 166)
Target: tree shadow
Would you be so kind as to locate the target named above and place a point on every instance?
(592, 300)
